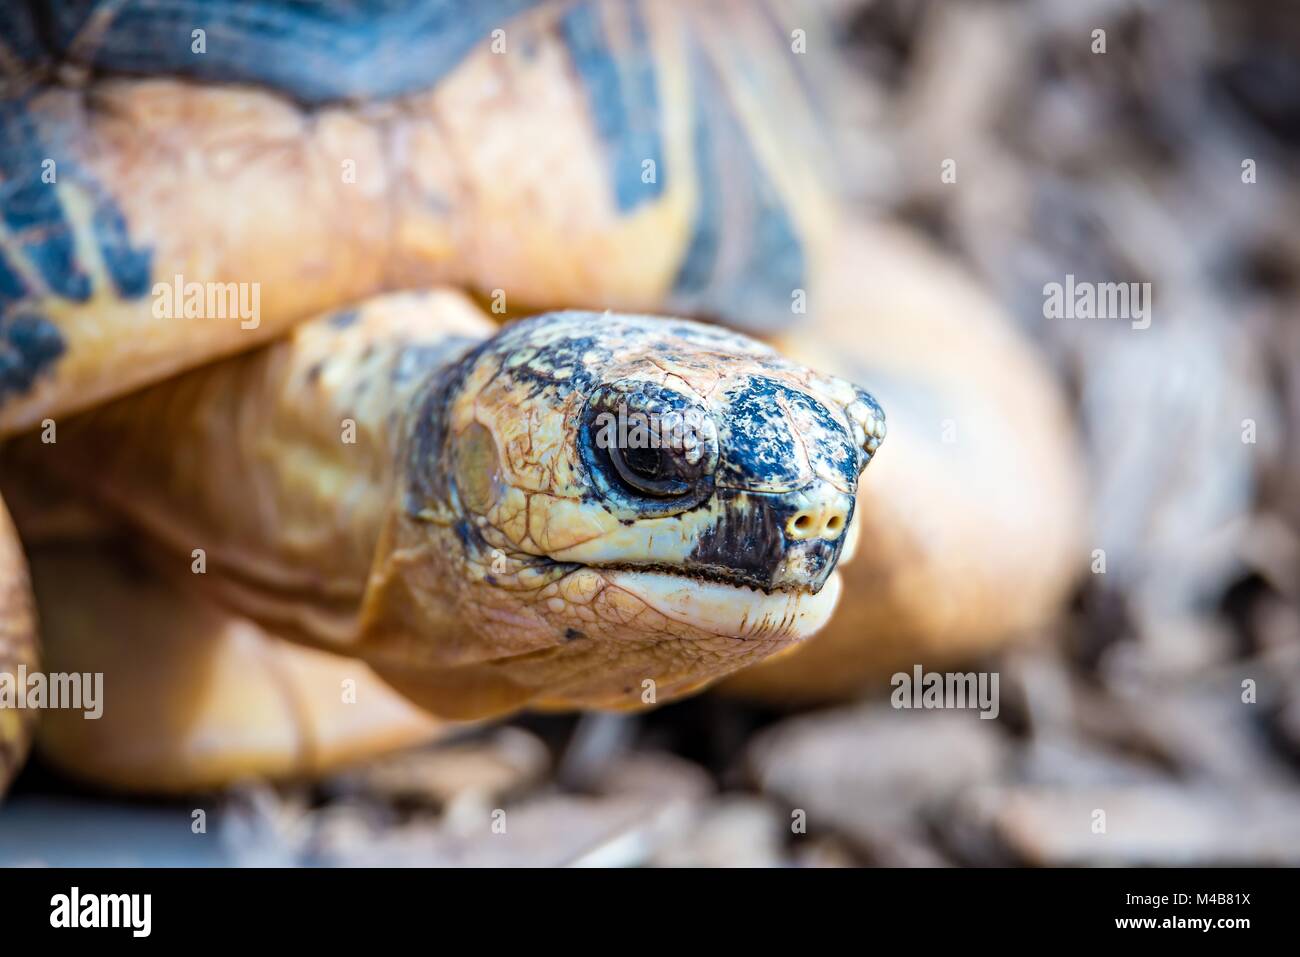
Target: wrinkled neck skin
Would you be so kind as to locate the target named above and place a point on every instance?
(443, 609)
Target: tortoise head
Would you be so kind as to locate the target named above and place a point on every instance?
(635, 505)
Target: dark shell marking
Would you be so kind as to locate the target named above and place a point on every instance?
(738, 205)
(312, 52)
(29, 346)
(38, 235)
(623, 96)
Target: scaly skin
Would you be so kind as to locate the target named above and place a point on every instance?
(472, 543)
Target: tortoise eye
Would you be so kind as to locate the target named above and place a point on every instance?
(649, 448)
(649, 471)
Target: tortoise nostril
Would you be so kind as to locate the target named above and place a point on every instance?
(822, 522)
(801, 526)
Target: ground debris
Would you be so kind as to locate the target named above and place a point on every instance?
(874, 775)
(1169, 825)
(491, 766)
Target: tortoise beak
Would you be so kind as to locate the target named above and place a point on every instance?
(788, 541)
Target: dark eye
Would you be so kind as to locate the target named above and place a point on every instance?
(650, 471)
(649, 448)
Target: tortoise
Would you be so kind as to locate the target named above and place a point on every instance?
(248, 259)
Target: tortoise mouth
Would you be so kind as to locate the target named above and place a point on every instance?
(738, 584)
(734, 611)
(706, 577)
